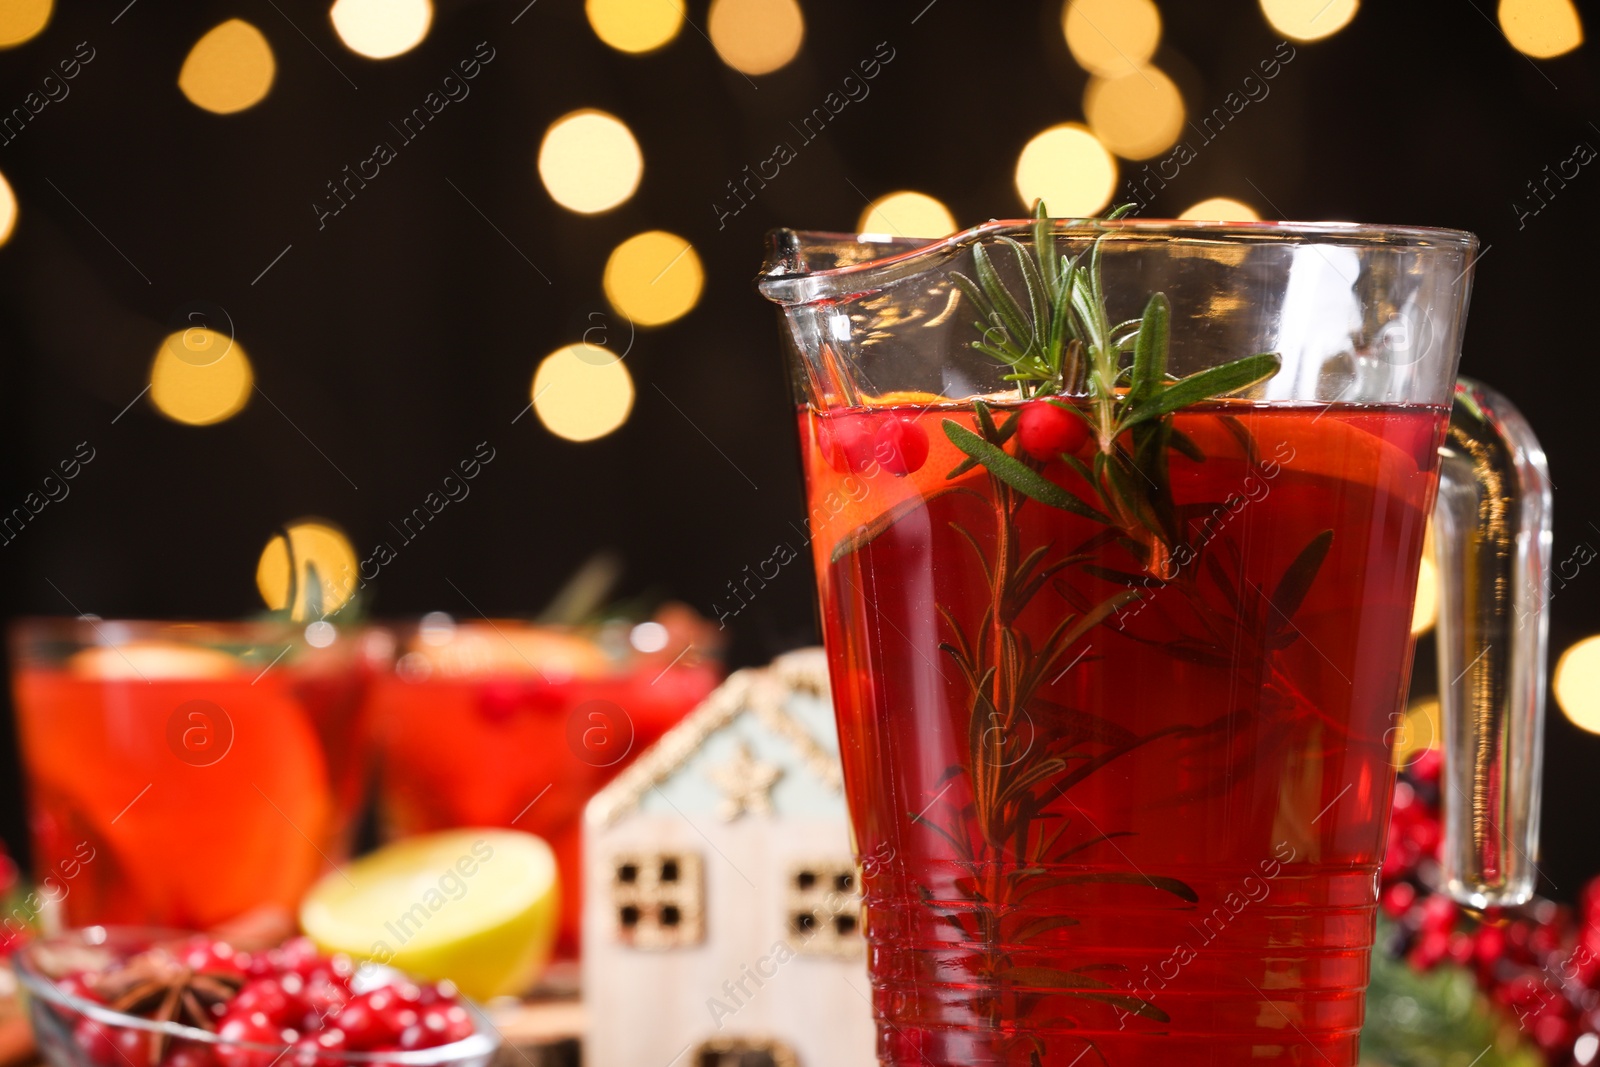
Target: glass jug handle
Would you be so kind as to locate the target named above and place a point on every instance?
(1492, 540)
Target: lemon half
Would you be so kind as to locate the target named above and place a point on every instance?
(477, 907)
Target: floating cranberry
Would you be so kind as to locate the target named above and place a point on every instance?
(900, 445)
(847, 442)
(1046, 429)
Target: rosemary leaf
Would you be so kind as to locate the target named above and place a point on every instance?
(1204, 385)
(1010, 314)
(1018, 475)
(1296, 581)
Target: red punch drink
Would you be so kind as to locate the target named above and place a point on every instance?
(1131, 834)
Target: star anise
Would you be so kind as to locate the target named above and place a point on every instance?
(159, 986)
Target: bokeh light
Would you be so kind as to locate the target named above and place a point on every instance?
(320, 548)
(1220, 209)
(229, 69)
(200, 377)
(1309, 20)
(1137, 115)
(756, 36)
(589, 161)
(1577, 684)
(21, 20)
(582, 392)
(1541, 28)
(653, 278)
(8, 210)
(907, 214)
(379, 29)
(1425, 610)
(1111, 37)
(635, 25)
(1418, 731)
(1069, 169)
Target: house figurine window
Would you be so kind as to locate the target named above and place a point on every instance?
(657, 899)
(742, 1052)
(823, 908)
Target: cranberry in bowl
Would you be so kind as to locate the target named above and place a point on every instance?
(137, 997)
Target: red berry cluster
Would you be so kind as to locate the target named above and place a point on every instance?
(290, 997)
(853, 443)
(1540, 963)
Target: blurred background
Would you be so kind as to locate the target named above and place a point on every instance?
(268, 263)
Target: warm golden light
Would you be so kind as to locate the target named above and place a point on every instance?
(907, 214)
(1417, 732)
(8, 210)
(1111, 37)
(635, 25)
(379, 29)
(21, 20)
(320, 548)
(589, 161)
(1309, 20)
(653, 278)
(1069, 169)
(756, 36)
(1577, 684)
(229, 69)
(1221, 209)
(1137, 115)
(1541, 28)
(582, 392)
(1425, 609)
(200, 377)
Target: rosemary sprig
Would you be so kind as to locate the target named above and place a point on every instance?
(1059, 340)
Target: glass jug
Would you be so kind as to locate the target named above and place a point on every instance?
(1117, 527)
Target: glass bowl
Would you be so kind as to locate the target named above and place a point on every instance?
(55, 1013)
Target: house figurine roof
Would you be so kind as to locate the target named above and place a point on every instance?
(763, 742)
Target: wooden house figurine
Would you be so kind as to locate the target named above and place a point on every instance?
(722, 923)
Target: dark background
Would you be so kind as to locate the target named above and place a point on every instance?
(407, 331)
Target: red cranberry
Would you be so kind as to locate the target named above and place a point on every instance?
(499, 699)
(210, 956)
(188, 1054)
(130, 1045)
(846, 442)
(363, 1022)
(318, 1050)
(253, 1028)
(273, 997)
(298, 954)
(95, 1039)
(452, 1021)
(1046, 429)
(900, 445)
(1427, 766)
(77, 985)
(398, 1017)
(322, 999)
(1397, 899)
(1431, 947)
(1439, 914)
